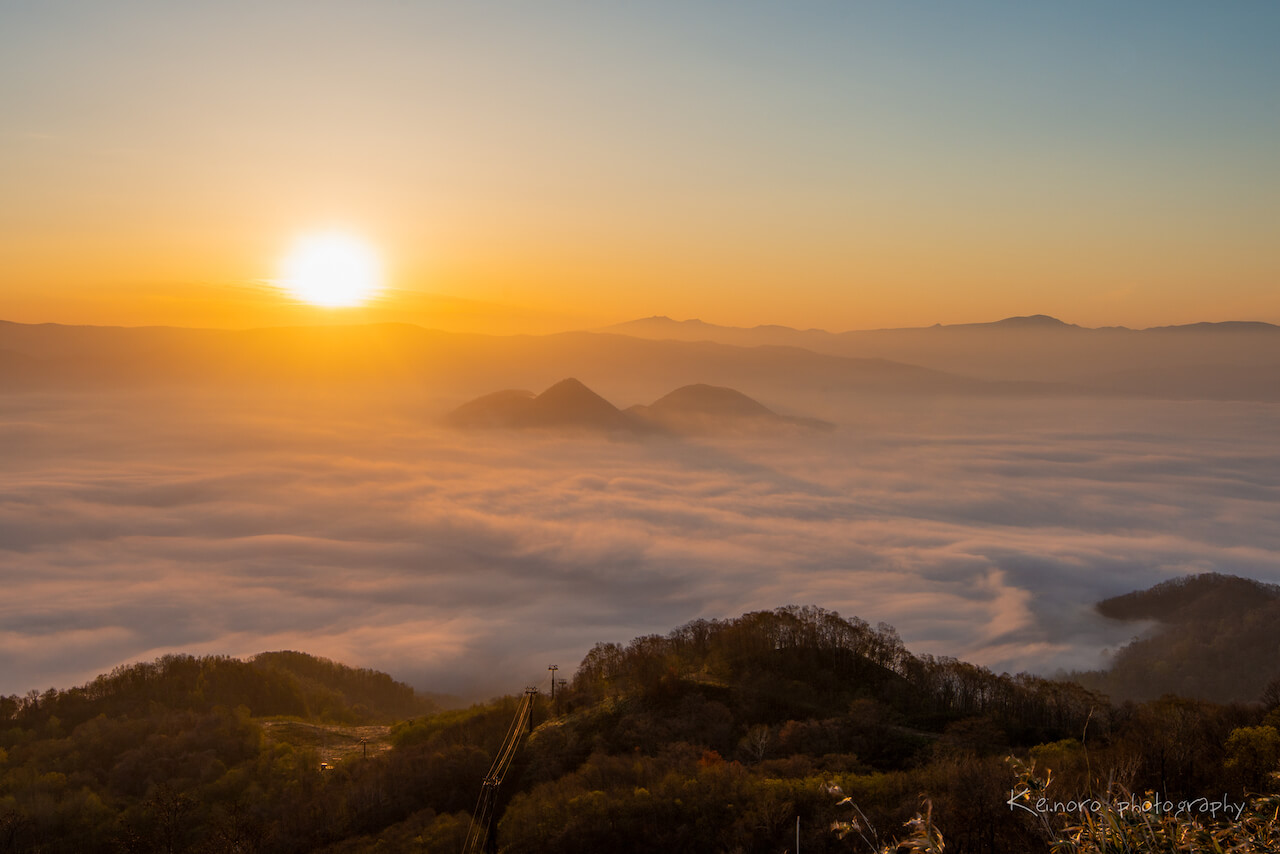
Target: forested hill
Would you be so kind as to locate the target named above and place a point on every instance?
(1210, 597)
(806, 662)
(718, 736)
(271, 683)
(1217, 638)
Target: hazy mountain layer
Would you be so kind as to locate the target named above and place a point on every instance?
(1016, 356)
(437, 362)
(1233, 360)
(571, 405)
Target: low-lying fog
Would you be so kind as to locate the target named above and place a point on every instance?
(357, 529)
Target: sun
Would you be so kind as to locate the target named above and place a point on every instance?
(332, 269)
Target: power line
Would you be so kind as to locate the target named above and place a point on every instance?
(483, 816)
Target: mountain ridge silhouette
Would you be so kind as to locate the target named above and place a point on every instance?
(569, 403)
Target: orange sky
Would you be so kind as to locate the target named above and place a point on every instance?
(567, 168)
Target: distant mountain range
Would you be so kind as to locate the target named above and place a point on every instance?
(1235, 359)
(53, 356)
(1017, 356)
(698, 408)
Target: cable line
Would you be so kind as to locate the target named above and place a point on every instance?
(483, 816)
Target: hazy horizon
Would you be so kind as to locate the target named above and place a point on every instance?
(504, 318)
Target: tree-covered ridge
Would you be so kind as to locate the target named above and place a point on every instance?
(718, 736)
(1217, 638)
(171, 755)
(271, 683)
(1209, 596)
(336, 692)
(808, 662)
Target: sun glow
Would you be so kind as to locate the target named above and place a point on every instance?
(332, 270)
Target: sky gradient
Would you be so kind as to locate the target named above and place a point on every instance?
(559, 165)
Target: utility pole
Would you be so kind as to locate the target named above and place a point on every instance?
(553, 668)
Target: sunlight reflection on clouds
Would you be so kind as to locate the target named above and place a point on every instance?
(466, 562)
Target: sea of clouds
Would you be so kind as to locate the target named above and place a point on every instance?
(356, 528)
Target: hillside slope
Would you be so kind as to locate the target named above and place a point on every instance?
(720, 735)
(1217, 637)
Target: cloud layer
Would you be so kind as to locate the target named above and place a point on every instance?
(358, 530)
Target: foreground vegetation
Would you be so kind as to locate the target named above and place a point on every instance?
(726, 736)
